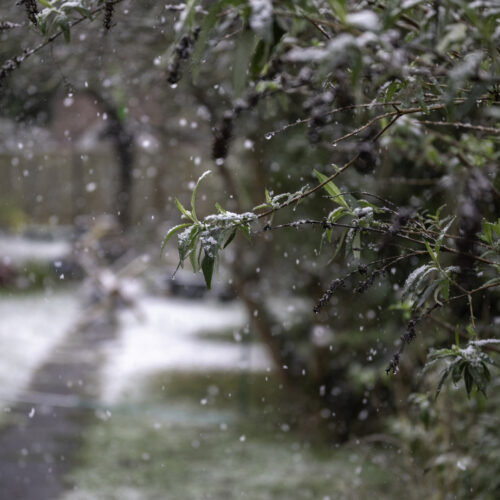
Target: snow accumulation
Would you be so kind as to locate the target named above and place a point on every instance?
(163, 336)
(31, 326)
(15, 249)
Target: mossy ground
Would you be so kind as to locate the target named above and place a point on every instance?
(195, 436)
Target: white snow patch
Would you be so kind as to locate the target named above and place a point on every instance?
(16, 249)
(165, 339)
(31, 326)
(365, 19)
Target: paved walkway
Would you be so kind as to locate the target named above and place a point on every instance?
(49, 419)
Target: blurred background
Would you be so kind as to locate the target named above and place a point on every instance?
(119, 381)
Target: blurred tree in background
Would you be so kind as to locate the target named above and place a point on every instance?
(356, 144)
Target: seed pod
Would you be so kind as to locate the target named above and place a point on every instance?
(31, 10)
(109, 8)
(183, 51)
(366, 161)
(223, 136)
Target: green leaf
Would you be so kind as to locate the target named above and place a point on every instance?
(207, 267)
(244, 49)
(414, 278)
(193, 195)
(258, 59)
(187, 243)
(192, 259)
(439, 241)
(391, 90)
(339, 245)
(479, 377)
(63, 22)
(267, 86)
(183, 211)
(444, 376)
(171, 232)
(432, 254)
(427, 292)
(245, 229)
(456, 373)
(486, 234)
(75, 6)
(331, 189)
(260, 207)
(445, 289)
(268, 197)
(219, 208)
(337, 214)
(231, 238)
(486, 372)
(468, 380)
(339, 9)
(496, 227)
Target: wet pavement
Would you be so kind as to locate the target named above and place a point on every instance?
(49, 418)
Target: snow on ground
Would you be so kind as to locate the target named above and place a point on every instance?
(160, 335)
(30, 326)
(164, 338)
(16, 249)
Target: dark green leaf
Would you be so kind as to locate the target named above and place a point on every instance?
(468, 380)
(207, 266)
(444, 376)
(456, 373)
(187, 244)
(171, 232)
(231, 238)
(245, 46)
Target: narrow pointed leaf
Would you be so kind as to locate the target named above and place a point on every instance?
(171, 232)
(332, 189)
(193, 195)
(183, 211)
(207, 266)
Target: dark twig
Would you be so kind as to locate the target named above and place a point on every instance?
(407, 337)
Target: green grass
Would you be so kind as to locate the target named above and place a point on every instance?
(185, 440)
(236, 335)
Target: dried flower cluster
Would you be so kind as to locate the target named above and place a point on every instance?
(109, 9)
(31, 10)
(183, 51)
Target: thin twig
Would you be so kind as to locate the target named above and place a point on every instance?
(14, 62)
(310, 191)
(479, 128)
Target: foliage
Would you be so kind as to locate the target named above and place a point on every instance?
(373, 125)
(338, 57)
(202, 241)
(470, 363)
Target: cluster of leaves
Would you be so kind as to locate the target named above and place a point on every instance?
(426, 286)
(469, 363)
(355, 72)
(59, 15)
(430, 279)
(200, 241)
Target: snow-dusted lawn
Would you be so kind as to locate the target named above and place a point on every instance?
(16, 249)
(162, 337)
(30, 326)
